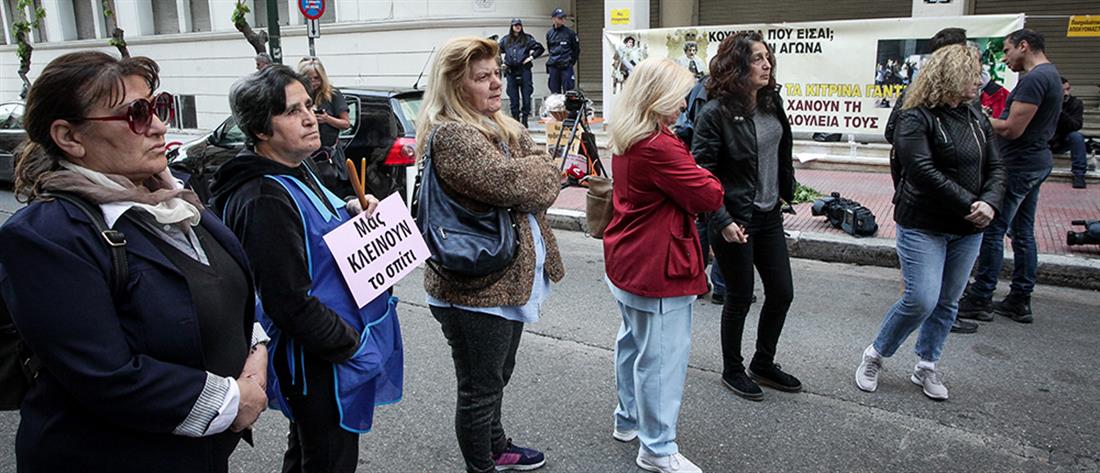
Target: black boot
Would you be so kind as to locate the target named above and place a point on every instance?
(524, 121)
(773, 376)
(1016, 307)
(974, 307)
(1079, 181)
(964, 326)
(743, 386)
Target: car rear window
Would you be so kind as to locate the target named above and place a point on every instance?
(410, 108)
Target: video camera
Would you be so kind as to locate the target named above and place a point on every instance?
(574, 101)
(1091, 235)
(846, 214)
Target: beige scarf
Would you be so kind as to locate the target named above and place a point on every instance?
(161, 195)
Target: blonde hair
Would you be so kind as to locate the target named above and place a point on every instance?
(445, 99)
(945, 77)
(312, 64)
(653, 93)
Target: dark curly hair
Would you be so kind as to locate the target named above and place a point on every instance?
(729, 75)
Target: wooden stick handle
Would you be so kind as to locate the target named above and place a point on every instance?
(355, 183)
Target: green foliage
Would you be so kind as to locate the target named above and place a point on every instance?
(118, 43)
(239, 13)
(107, 9)
(803, 194)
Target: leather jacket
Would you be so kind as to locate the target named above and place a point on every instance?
(948, 160)
(724, 143)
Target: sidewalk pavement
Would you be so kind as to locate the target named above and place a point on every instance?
(813, 238)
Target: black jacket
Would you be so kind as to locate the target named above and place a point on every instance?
(948, 162)
(563, 46)
(266, 220)
(1071, 119)
(725, 144)
(518, 50)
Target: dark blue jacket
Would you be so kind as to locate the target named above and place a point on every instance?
(118, 376)
(517, 51)
(563, 46)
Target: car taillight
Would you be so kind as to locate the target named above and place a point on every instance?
(402, 153)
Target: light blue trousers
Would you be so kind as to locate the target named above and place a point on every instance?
(651, 360)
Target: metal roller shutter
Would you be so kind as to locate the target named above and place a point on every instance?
(589, 27)
(1078, 59)
(724, 12)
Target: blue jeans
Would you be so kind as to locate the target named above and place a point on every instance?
(561, 79)
(717, 282)
(519, 92)
(1021, 197)
(1074, 142)
(934, 267)
(651, 361)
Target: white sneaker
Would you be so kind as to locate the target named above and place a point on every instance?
(624, 435)
(929, 379)
(867, 373)
(674, 463)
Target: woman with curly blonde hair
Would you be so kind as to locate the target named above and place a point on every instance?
(950, 188)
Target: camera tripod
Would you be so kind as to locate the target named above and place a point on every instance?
(578, 120)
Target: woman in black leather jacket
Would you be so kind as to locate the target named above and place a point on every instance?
(949, 189)
(744, 138)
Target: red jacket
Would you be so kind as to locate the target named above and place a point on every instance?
(650, 246)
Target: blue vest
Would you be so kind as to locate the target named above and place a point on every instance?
(374, 375)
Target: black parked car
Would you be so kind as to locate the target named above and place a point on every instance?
(11, 134)
(383, 131)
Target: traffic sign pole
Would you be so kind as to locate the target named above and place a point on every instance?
(312, 10)
(274, 46)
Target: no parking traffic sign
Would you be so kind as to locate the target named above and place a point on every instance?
(312, 9)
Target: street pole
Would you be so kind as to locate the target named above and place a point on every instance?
(312, 52)
(275, 48)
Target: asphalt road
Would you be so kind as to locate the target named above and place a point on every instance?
(1023, 397)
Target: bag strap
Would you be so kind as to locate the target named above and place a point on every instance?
(114, 239)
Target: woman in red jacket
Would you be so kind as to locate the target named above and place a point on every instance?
(654, 263)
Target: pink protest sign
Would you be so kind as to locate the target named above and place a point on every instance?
(375, 252)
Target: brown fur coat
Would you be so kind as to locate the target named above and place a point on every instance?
(475, 172)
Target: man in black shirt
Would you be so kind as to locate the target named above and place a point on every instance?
(1024, 131)
(1067, 136)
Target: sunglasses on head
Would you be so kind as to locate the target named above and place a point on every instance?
(140, 113)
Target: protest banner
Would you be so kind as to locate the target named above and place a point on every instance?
(374, 252)
(836, 76)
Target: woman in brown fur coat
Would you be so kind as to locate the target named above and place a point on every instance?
(485, 159)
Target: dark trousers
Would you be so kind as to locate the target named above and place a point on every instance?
(767, 251)
(1021, 199)
(561, 79)
(317, 443)
(484, 348)
(519, 92)
(1074, 142)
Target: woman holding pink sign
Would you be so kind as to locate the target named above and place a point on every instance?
(331, 362)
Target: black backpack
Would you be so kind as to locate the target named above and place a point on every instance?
(18, 366)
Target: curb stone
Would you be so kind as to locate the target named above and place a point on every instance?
(1054, 270)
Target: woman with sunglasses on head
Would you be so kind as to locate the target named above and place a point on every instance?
(742, 136)
(163, 370)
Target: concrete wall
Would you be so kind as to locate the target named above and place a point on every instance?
(389, 50)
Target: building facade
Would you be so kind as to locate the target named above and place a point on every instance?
(388, 43)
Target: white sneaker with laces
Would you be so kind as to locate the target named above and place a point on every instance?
(867, 373)
(929, 380)
(675, 463)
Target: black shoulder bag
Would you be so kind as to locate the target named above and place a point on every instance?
(463, 242)
(18, 366)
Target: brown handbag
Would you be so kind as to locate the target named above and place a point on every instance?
(598, 205)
